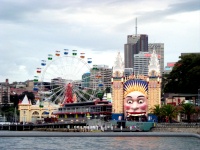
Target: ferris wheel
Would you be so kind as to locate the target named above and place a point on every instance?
(65, 78)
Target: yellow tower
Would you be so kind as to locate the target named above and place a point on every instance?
(154, 82)
(134, 96)
(24, 108)
(117, 89)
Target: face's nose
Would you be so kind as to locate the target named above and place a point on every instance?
(134, 106)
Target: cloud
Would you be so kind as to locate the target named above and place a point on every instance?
(159, 14)
(32, 29)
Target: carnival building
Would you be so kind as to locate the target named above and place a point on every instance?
(133, 96)
(35, 113)
(83, 111)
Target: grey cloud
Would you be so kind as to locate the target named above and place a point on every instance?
(23, 10)
(18, 11)
(191, 5)
(30, 37)
(176, 8)
(158, 15)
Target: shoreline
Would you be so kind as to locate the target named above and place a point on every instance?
(94, 134)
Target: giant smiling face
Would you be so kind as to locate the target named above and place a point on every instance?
(135, 102)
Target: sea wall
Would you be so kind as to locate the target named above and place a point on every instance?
(186, 128)
(62, 130)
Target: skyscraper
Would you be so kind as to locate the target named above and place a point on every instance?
(141, 62)
(100, 75)
(135, 44)
(159, 48)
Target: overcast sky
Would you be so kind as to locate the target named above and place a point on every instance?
(32, 29)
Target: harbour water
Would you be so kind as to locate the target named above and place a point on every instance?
(92, 143)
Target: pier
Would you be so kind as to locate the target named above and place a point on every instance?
(44, 127)
(16, 127)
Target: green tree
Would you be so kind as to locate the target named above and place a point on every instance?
(169, 111)
(197, 112)
(158, 111)
(9, 112)
(100, 95)
(30, 96)
(15, 100)
(165, 80)
(108, 90)
(184, 78)
(187, 109)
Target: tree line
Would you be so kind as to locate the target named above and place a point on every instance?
(11, 111)
(184, 77)
(168, 112)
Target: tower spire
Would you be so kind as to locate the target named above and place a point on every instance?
(135, 26)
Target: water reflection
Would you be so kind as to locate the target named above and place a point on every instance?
(100, 143)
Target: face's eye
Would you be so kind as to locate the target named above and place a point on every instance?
(130, 101)
(140, 101)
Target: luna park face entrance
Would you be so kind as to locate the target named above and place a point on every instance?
(138, 118)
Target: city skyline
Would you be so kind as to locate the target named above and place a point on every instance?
(31, 30)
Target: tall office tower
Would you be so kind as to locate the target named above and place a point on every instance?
(141, 62)
(100, 75)
(159, 48)
(135, 44)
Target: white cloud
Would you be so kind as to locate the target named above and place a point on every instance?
(100, 28)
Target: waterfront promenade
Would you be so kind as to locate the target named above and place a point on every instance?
(160, 127)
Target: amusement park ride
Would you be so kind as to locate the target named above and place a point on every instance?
(64, 79)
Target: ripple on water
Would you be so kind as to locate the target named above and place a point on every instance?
(99, 143)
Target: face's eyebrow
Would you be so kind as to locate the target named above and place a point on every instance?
(140, 96)
(128, 97)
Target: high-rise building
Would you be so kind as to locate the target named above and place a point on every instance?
(159, 48)
(169, 67)
(86, 80)
(128, 71)
(141, 62)
(4, 92)
(135, 44)
(100, 75)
